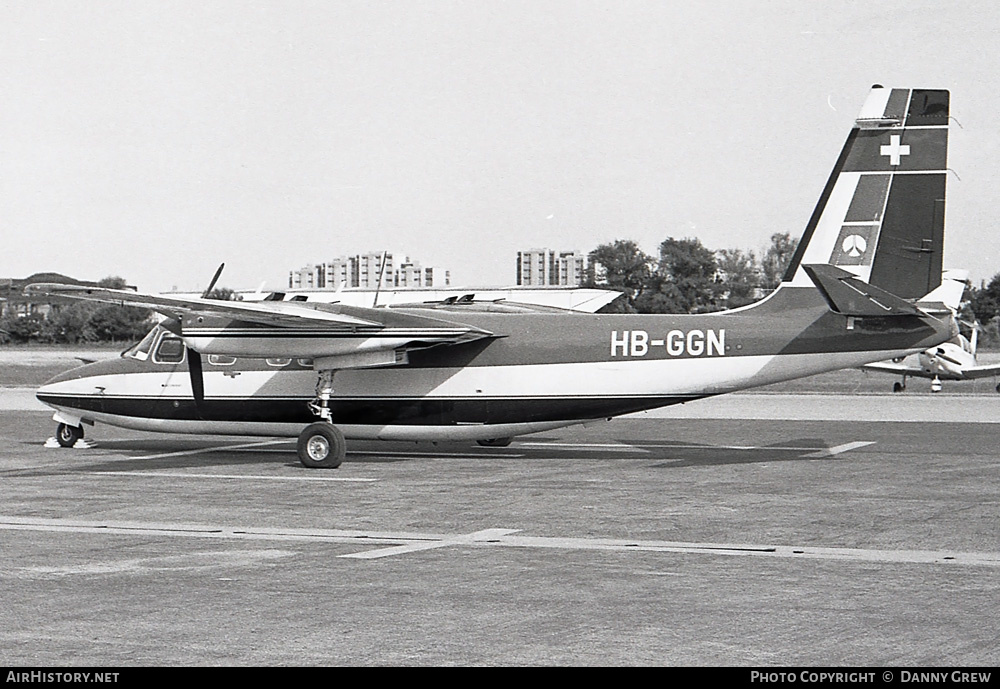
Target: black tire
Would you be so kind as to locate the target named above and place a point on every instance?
(495, 442)
(67, 435)
(898, 387)
(321, 446)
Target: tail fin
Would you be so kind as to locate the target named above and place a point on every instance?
(881, 214)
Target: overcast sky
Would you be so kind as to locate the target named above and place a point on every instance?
(154, 140)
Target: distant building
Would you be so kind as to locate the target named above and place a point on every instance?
(543, 267)
(362, 270)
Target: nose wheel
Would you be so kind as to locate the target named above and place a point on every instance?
(67, 435)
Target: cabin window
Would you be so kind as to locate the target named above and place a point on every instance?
(306, 363)
(170, 351)
(278, 362)
(221, 360)
(140, 350)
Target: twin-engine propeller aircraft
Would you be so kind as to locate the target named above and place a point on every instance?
(951, 360)
(326, 372)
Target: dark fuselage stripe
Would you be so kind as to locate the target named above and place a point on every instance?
(368, 411)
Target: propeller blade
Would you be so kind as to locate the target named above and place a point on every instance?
(197, 378)
(211, 285)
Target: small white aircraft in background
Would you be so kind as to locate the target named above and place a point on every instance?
(951, 360)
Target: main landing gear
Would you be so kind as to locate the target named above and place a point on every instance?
(321, 444)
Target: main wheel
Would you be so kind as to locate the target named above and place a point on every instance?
(67, 435)
(495, 442)
(321, 446)
(898, 387)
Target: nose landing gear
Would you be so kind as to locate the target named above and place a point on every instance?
(67, 435)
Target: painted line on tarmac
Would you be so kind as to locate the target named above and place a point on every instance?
(251, 477)
(813, 452)
(401, 543)
(484, 536)
(216, 448)
(431, 455)
(839, 449)
(613, 447)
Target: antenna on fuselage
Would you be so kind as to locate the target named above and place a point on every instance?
(378, 286)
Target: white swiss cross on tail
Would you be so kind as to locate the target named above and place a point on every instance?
(894, 150)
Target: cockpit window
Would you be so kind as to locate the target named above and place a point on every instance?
(169, 351)
(140, 350)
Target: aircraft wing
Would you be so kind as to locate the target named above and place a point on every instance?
(983, 371)
(336, 336)
(892, 367)
(270, 313)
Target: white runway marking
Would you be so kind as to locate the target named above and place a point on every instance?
(484, 536)
(406, 543)
(216, 448)
(179, 474)
(840, 449)
(645, 448)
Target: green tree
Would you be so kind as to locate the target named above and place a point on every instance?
(69, 323)
(740, 275)
(113, 282)
(117, 323)
(985, 301)
(224, 294)
(776, 258)
(22, 329)
(622, 266)
(685, 280)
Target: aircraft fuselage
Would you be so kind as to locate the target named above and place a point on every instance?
(539, 371)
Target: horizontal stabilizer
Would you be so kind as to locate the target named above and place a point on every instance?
(848, 295)
(947, 297)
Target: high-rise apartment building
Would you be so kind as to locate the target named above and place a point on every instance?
(363, 270)
(543, 267)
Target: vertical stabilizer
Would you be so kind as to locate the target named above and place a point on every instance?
(881, 214)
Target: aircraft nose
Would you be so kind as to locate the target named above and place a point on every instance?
(74, 381)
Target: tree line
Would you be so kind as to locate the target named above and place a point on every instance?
(687, 277)
(76, 322)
